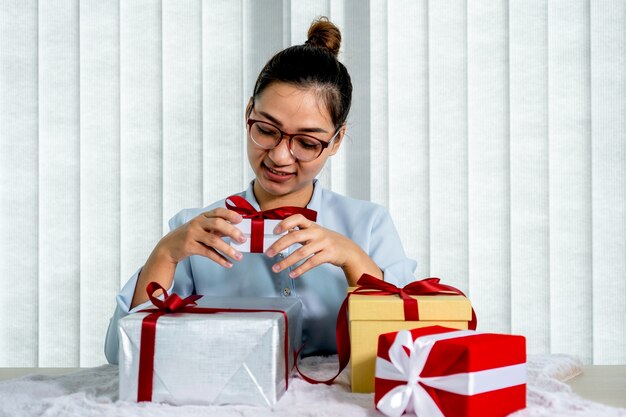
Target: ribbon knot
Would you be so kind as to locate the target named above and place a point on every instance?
(242, 206)
(369, 285)
(170, 303)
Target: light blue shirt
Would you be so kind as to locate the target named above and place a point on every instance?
(321, 289)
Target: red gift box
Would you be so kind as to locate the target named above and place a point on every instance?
(437, 371)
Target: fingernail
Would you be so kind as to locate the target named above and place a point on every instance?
(276, 268)
(242, 238)
(228, 265)
(277, 230)
(292, 274)
(271, 253)
(238, 256)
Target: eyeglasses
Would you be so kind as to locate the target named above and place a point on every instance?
(305, 148)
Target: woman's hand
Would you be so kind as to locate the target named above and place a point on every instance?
(320, 245)
(203, 235)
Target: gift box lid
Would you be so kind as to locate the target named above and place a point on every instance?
(290, 306)
(391, 307)
(463, 354)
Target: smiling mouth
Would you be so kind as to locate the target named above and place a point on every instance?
(273, 171)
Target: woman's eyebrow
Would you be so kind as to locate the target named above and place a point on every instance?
(279, 124)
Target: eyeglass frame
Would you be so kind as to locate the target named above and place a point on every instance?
(250, 121)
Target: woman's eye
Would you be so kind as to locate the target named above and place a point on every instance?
(308, 143)
(266, 131)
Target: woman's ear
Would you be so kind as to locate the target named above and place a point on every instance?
(339, 140)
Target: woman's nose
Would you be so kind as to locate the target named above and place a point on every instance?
(281, 154)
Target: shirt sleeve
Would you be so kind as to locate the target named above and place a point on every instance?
(182, 284)
(387, 252)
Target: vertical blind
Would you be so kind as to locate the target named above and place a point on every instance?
(495, 133)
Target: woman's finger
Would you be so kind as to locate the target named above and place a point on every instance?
(313, 261)
(293, 222)
(211, 240)
(300, 254)
(301, 236)
(224, 213)
(221, 227)
(214, 255)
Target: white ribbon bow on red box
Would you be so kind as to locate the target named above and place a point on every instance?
(408, 358)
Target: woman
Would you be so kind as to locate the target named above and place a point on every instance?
(296, 120)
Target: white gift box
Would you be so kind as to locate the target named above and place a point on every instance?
(268, 236)
(220, 358)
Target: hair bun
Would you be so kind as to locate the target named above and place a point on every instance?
(324, 34)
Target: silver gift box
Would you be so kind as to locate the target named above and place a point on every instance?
(222, 358)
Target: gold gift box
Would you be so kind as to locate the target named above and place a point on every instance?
(372, 315)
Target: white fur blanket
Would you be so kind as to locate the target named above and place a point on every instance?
(93, 392)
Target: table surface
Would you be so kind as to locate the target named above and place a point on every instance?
(601, 383)
(605, 384)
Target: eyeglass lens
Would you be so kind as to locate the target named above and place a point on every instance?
(303, 147)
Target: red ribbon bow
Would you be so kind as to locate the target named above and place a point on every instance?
(247, 211)
(369, 285)
(170, 303)
(174, 304)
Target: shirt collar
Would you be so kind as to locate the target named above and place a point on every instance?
(314, 203)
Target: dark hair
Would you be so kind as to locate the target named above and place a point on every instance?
(313, 65)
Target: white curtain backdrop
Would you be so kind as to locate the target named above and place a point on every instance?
(495, 132)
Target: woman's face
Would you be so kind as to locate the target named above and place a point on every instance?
(293, 110)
